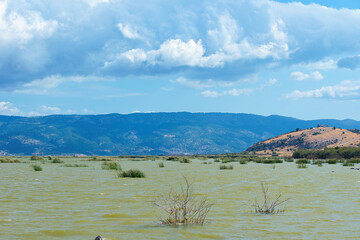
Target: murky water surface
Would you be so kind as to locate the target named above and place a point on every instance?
(81, 203)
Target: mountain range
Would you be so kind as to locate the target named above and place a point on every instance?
(179, 133)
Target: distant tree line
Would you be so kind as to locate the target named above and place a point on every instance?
(337, 152)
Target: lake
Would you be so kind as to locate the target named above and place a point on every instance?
(79, 203)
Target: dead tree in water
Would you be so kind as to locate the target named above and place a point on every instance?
(183, 207)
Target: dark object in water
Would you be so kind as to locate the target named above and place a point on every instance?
(99, 238)
(355, 168)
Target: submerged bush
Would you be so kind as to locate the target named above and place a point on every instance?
(269, 205)
(132, 173)
(173, 159)
(318, 163)
(226, 167)
(37, 158)
(289, 159)
(110, 166)
(302, 161)
(57, 160)
(185, 160)
(183, 207)
(242, 161)
(301, 165)
(37, 168)
(271, 161)
(332, 161)
(348, 164)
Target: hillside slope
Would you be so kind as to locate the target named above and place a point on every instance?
(145, 133)
(313, 138)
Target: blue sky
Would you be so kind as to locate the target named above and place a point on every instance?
(297, 59)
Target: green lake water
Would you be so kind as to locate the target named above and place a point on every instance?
(81, 203)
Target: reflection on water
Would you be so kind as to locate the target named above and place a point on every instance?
(81, 203)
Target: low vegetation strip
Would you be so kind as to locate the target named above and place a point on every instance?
(328, 153)
(9, 160)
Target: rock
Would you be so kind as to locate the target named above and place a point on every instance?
(99, 238)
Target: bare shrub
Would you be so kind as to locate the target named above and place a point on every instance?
(183, 207)
(269, 205)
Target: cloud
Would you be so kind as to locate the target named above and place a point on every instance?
(231, 92)
(321, 65)
(172, 53)
(187, 83)
(234, 91)
(21, 29)
(269, 83)
(23, 35)
(7, 108)
(128, 31)
(299, 76)
(94, 3)
(349, 62)
(344, 90)
(42, 86)
(219, 40)
(49, 110)
(316, 75)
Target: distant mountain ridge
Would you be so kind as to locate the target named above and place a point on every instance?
(146, 133)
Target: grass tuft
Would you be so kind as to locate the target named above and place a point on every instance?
(161, 164)
(332, 161)
(36, 158)
(185, 160)
(348, 164)
(57, 160)
(301, 165)
(226, 167)
(110, 166)
(37, 168)
(132, 173)
(302, 161)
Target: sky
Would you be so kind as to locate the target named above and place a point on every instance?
(298, 59)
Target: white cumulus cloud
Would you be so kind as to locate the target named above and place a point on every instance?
(299, 76)
(128, 31)
(7, 108)
(344, 90)
(195, 83)
(231, 92)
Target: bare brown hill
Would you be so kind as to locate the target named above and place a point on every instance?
(313, 138)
